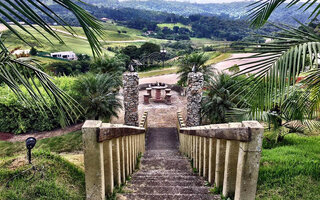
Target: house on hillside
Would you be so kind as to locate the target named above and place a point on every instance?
(68, 55)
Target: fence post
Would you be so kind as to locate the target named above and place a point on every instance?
(249, 162)
(93, 161)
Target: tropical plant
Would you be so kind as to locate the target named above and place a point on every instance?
(111, 65)
(17, 73)
(218, 98)
(98, 95)
(194, 61)
(278, 66)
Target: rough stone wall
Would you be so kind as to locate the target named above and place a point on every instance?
(131, 98)
(194, 96)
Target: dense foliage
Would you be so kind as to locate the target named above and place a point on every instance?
(27, 119)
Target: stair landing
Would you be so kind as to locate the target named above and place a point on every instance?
(165, 174)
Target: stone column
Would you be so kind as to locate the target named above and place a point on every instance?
(131, 98)
(194, 96)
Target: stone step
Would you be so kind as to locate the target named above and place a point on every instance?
(149, 182)
(166, 178)
(168, 197)
(168, 189)
(164, 173)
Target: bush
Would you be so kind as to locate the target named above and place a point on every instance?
(69, 67)
(25, 118)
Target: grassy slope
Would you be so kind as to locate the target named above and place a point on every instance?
(111, 32)
(56, 178)
(66, 143)
(289, 170)
(75, 44)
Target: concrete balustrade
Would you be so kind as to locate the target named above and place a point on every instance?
(110, 155)
(228, 155)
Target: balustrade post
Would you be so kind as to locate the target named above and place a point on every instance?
(231, 160)
(220, 159)
(130, 154)
(122, 159)
(108, 166)
(200, 162)
(116, 161)
(205, 156)
(93, 161)
(197, 152)
(212, 160)
(127, 156)
(249, 162)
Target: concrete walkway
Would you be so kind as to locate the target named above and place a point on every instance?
(164, 173)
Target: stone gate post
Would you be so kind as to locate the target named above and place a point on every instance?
(131, 98)
(194, 96)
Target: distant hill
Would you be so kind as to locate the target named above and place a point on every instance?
(237, 10)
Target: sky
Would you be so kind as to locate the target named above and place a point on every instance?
(211, 1)
(207, 1)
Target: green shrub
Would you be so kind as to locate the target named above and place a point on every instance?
(16, 117)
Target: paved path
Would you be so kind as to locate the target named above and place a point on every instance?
(165, 174)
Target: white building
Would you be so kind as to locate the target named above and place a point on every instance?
(69, 55)
(20, 51)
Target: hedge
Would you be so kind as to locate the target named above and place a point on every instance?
(17, 118)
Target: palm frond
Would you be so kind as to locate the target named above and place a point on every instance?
(274, 73)
(29, 12)
(261, 10)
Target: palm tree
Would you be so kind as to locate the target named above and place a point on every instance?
(105, 64)
(98, 95)
(17, 74)
(218, 99)
(281, 63)
(195, 61)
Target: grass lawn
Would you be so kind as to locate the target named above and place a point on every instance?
(289, 170)
(110, 33)
(171, 25)
(217, 57)
(158, 72)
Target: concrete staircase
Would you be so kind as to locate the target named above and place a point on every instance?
(165, 174)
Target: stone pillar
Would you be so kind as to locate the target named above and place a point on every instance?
(194, 96)
(131, 98)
